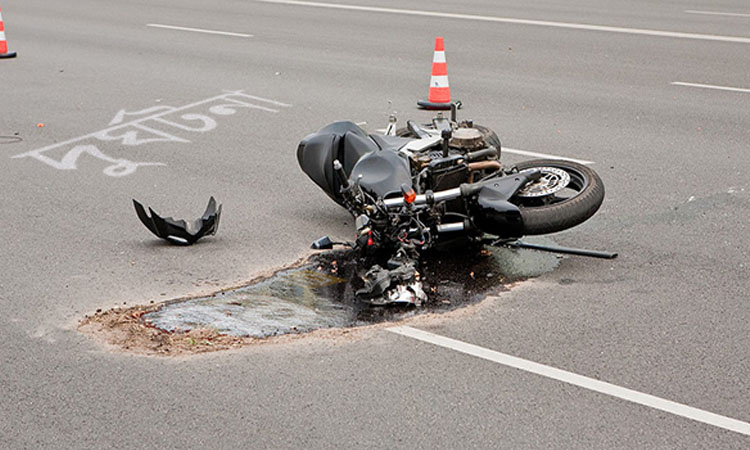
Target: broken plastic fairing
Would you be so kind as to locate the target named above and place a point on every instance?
(181, 232)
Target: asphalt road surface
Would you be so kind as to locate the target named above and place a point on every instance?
(592, 80)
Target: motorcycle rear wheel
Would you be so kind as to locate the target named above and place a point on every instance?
(562, 209)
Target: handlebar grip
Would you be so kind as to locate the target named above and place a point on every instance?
(339, 169)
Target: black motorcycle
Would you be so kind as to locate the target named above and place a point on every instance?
(423, 186)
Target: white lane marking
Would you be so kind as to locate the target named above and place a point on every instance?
(710, 86)
(198, 30)
(543, 155)
(545, 23)
(716, 13)
(602, 387)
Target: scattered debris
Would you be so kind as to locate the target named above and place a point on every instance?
(124, 328)
(181, 232)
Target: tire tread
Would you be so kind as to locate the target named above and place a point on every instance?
(569, 213)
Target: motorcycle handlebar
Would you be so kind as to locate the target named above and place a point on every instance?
(429, 197)
(450, 227)
(464, 190)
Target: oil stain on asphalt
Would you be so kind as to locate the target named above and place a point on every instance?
(320, 293)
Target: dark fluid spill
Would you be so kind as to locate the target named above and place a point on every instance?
(320, 293)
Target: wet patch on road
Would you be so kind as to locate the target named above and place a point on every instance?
(316, 294)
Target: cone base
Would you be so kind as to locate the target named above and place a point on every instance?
(424, 104)
(7, 55)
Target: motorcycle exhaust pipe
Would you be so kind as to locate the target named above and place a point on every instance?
(483, 165)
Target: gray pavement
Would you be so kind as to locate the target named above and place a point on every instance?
(669, 317)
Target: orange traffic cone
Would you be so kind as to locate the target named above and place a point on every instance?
(3, 43)
(439, 96)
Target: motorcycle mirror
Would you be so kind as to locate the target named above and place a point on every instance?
(323, 243)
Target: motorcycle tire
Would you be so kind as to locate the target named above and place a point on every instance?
(551, 213)
(490, 137)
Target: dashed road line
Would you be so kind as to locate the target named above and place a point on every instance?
(545, 23)
(591, 384)
(198, 30)
(716, 13)
(710, 86)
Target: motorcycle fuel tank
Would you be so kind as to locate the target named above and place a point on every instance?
(381, 173)
(343, 141)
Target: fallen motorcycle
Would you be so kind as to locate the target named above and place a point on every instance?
(428, 185)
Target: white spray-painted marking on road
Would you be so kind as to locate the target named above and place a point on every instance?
(716, 13)
(198, 30)
(544, 23)
(130, 133)
(602, 387)
(710, 86)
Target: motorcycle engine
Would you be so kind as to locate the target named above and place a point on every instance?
(446, 173)
(467, 139)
